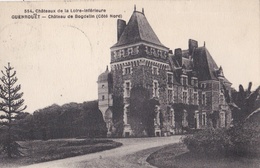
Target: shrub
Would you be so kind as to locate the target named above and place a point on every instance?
(208, 141)
(245, 139)
(242, 141)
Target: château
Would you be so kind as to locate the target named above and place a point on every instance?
(185, 85)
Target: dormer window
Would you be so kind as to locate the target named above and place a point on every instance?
(169, 78)
(203, 85)
(221, 98)
(184, 80)
(194, 81)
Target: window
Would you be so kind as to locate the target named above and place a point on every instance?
(127, 114)
(122, 53)
(155, 89)
(185, 97)
(155, 70)
(127, 89)
(195, 98)
(221, 98)
(130, 51)
(203, 101)
(190, 98)
(103, 86)
(185, 80)
(222, 119)
(204, 119)
(203, 85)
(170, 78)
(103, 97)
(196, 82)
(127, 70)
(170, 96)
(197, 116)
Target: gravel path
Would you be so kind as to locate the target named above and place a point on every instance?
(132, 153)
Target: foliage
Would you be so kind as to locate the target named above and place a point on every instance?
(245, 139)
(66, 121)
(208, 141)
(12, 106)
(142, 111)
(118, 108)
(242, 139)
(242, 103)
(178, 156)
(179, 114)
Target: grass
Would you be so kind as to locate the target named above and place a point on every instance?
(41, 151)
(178, 156)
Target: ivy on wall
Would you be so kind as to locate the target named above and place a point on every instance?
(142, 111)
(179, 110)
(118, 109)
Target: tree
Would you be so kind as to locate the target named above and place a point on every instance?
(242, 103)
(11, 105)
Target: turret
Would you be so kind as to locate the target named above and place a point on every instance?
(105, 100)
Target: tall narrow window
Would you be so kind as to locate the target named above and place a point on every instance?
(127, 114)
(222, 119)
(197, 119)
(155, 89)
(196, 82)
(195, 98)
(155, 70)
(185, 97)
(170, 78)
(221, 98)
(170, 96)
(127, 88)
(204, 119)
(127, 70)
(203, 101)
(185, 81)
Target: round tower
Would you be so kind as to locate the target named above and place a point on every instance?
(105, 100)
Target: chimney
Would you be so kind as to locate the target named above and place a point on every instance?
(121, 24)
(178, 55)
(192, 44)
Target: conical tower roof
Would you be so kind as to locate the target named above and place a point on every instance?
(104, 77)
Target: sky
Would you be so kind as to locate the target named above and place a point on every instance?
(59, 60)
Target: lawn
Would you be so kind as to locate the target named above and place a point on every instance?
(41, 151)
(178, 156)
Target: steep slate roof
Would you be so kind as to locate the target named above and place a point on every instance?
(138, 29)
(204, 64)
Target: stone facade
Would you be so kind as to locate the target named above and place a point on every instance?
(187, 83)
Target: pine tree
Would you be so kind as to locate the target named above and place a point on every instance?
(11, 105)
